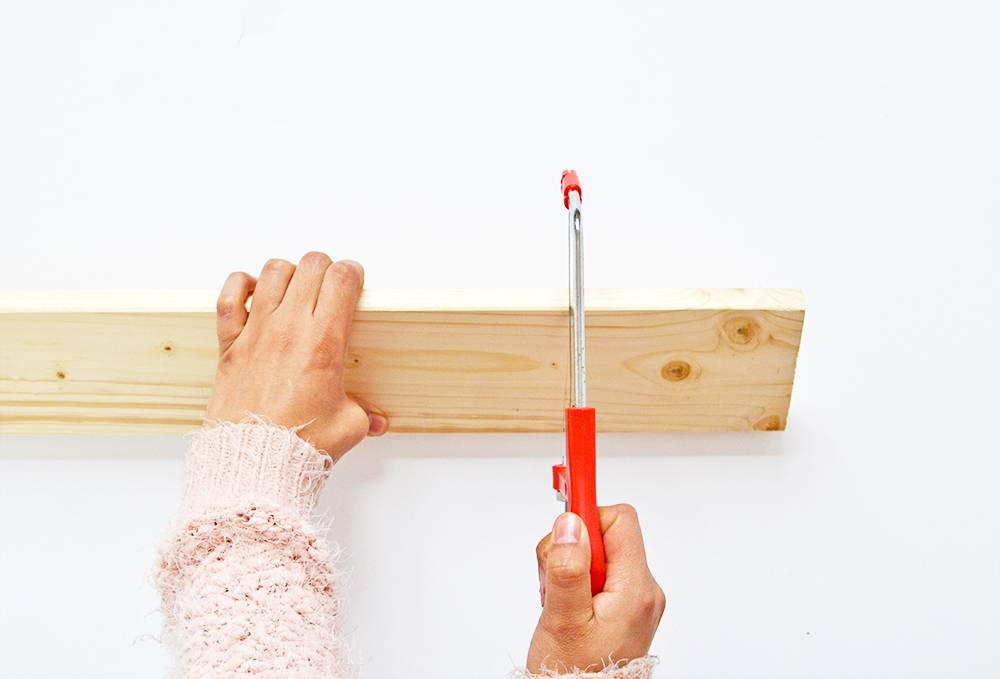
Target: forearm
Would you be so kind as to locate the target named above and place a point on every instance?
(246, 584)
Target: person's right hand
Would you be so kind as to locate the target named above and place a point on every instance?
(577, 631)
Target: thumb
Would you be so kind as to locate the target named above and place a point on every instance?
(378, 423)
(350, 425)
(567, 572)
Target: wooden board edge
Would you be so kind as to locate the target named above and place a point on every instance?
(419, 300)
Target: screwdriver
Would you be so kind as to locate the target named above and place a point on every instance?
(575, 480)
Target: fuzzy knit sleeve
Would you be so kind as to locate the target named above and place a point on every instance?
(640, 668)
(246, 584)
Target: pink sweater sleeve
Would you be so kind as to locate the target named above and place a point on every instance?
(640, 668)
(246, 584)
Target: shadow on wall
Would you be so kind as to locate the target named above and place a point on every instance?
(551, 445)
(409, 446)
(378, 460)
(394, 458)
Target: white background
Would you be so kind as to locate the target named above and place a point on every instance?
(847, 148)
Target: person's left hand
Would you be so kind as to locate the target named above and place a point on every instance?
(284, 359)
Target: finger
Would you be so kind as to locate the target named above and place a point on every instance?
(542, 552)
(271, 286)
(624, 551)
(338, 298)
(542, 555)
(378, 422)
(231, 307)
(303, 290)
(567, 574)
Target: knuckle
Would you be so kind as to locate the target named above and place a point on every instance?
(275, 265)
(650, 602)
(225, 306)
(661, 601)
(346, 272)
(647, 601)
(627, 510)
(228, 305)
(324, 355)
(230, 299)
(228, 360)
(566, 572)
(542, 548)
(316, 259)
(331, 336)
(334, 344)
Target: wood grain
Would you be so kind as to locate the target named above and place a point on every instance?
(433, 360)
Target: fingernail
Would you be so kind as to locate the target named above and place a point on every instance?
(377, 424)
(567, 529)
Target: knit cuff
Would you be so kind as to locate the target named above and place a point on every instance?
(640, 668)
(252, 462)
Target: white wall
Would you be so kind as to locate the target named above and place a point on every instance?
(848, 148)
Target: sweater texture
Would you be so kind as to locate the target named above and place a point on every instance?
(248, 587)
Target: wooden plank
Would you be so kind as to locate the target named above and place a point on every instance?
(434, 360)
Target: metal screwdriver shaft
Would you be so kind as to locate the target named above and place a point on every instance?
(576, 305)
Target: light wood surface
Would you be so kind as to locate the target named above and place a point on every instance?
(432, 360)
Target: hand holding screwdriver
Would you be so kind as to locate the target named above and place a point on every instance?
(580, 631)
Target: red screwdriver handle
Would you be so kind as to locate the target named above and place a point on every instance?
(577, 481)
(570, 182)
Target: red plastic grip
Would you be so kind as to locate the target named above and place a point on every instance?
(577, 480)
(570, 182)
